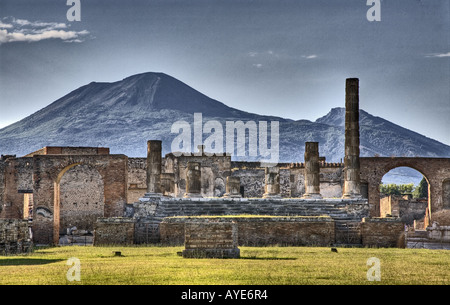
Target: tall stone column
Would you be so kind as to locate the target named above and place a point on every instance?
(154, 167)
(193, 180)
(272, 182)
(312, 171)
(352, 184)
(233, 187)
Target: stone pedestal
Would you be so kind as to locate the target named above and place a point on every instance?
(233, 187)
(211, 238)
(272, 182)
(352, 184)
(312, 171)
(193, 180)
(154, 168)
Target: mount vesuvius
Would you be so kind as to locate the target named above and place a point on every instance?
(123, 115)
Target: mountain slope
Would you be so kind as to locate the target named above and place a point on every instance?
(381, 137)
(123, 115)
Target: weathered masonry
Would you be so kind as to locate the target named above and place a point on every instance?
(64, 187)
(435, 170)
(115, 199)
(210, 238)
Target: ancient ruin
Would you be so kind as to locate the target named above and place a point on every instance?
(68, 193)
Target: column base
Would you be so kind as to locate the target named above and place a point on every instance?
(352, 196)
(192, 195)
(232, 195)
(271, 196)
(312, 196)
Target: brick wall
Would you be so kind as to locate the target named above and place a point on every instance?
(49, 170)
(17, 179)
(383, 232)
(210, 237)
(137, 179)
(81, 198)
(263, 231)
(67, 150)
(114, 231)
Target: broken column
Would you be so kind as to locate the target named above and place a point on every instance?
(154, 168)
(272, 182)
(233, 187)
(193, 180)
(312, 171)
(351, 159)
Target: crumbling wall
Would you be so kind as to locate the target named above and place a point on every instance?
(210, 238)
(137, 179)
(14, 236)
(331, 180)
(383, 232)
(17, 180)
(82, 198)
(252, 181)
(48, 170)
(2, 186)
(406, 208)
(436, 171)
(214, 172)
(252, 177)
(68, 150)
(114, 231)
(262, 231)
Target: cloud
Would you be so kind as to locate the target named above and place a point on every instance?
(439, 55)
(5, 25)
(21, 30)
(39, 24)
(310, 56)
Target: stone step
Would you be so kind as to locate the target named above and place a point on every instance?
(282, 208)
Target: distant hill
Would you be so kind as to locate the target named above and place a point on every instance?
(123, 115)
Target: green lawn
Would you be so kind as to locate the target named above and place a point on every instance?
(257, 266)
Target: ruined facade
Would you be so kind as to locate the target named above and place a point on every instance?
(62, 188)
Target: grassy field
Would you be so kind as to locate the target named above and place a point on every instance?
(257, 266)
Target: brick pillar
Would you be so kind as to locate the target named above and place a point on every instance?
(193, 180)
(312, 171)
(233, 187)
(272, 182)
(352, 184)
(154, 167)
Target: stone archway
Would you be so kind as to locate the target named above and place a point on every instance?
(409, 209)
(49, 171)
(436, 170)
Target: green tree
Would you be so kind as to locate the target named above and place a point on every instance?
(421, 191)
(396, 189)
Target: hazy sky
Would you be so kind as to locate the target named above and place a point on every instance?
(288, 58)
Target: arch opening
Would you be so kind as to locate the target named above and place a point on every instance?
(404, 193)
(78, 201)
